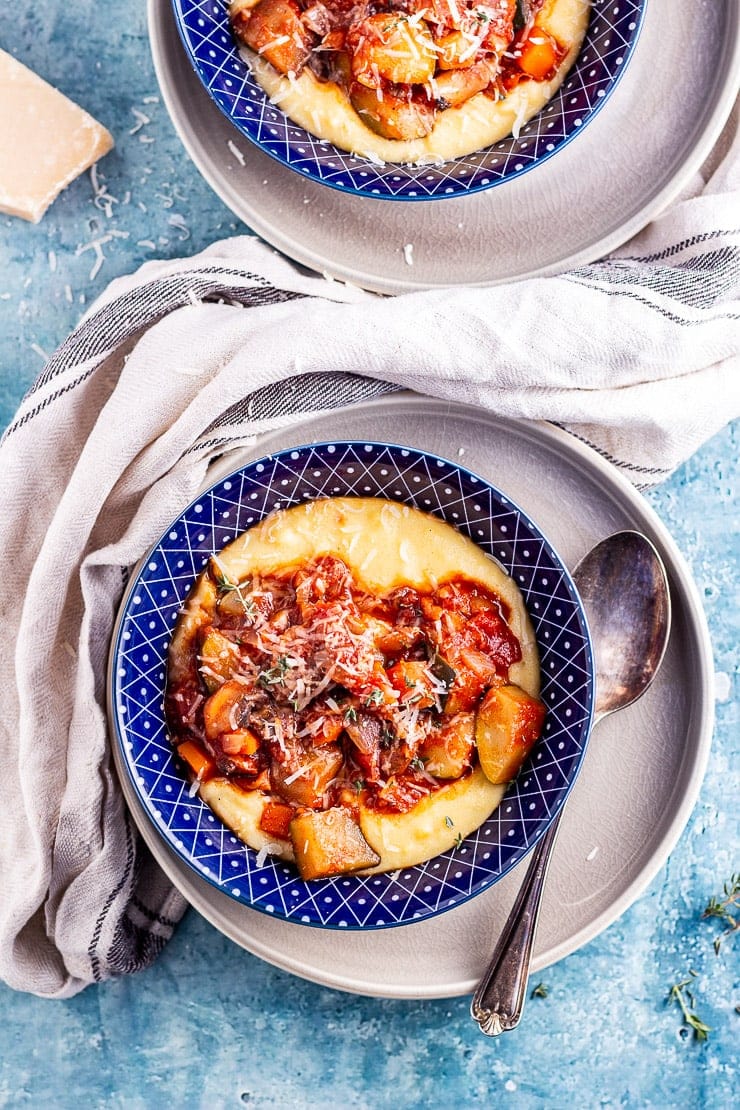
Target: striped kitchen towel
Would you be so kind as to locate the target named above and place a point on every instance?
(638, 355)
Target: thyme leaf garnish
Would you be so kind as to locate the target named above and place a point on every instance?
(540, 991)
(224, 585)
(387, 736)
(721, 907)
(681, 994)
(274, 674)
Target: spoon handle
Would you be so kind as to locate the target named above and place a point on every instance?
(499, 998)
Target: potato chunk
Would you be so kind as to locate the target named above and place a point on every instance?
(507, 724)
(456, 50)
(224, 711)
(447, 751)
(329, 842)
(414, 683)
(455, 86)
(275, 30)
(388, 46)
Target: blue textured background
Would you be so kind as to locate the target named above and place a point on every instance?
(210, 1025)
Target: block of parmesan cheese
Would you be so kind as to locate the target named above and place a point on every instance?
(46, 141)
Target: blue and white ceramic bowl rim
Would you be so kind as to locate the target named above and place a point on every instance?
(614, 27)
(138, 665)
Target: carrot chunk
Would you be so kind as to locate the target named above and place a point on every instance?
(540, 55)
(197, 760)
(276, 818)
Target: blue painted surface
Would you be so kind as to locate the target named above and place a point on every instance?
(210, 1025)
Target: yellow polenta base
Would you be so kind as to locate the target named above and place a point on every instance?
(385, 545)
(324, 110)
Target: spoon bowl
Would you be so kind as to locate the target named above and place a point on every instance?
(623, 586)
(625, 594)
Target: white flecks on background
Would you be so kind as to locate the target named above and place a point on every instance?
(722, 686)
(148, 243)
(169, 194)
(408, 254)
(102, 198)
(40, 352)
(52, 261)
(177, 221)
(141, 121)
(237, 153)
(97, 245)
(593, 854)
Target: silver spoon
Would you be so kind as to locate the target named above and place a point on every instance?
(624, 589)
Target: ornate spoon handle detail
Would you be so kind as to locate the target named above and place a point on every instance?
(499, 999)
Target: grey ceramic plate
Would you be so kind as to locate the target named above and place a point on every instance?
(641, 774)
(624, 168)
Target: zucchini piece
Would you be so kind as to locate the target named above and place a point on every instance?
(218, 659)
(392, 116)
(318, 767)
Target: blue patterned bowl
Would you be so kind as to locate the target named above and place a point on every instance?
(610, 39)
(137, 677)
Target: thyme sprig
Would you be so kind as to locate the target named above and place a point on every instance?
(722, 907)
(540, 991)
(274, 674)
(681, 994)
(224, 585)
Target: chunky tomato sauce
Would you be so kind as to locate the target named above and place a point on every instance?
(401, 62)
(303, 685)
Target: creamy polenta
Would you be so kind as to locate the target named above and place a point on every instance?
(415, 81)
(330, 684)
